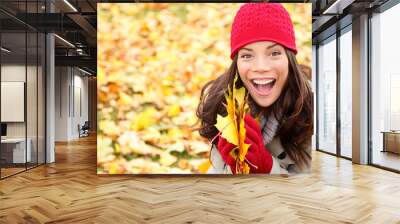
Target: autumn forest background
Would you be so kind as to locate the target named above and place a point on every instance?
(153, 60)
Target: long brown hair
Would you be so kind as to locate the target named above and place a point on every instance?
(293, 108)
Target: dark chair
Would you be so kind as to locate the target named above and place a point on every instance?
(84, 130)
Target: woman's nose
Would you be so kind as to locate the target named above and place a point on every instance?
(261, 64)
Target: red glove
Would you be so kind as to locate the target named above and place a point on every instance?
(257, 154)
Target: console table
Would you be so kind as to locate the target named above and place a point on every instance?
(391, 141)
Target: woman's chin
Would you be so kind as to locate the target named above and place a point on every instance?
(263, 101)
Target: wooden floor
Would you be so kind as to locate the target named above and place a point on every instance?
(387, 159)
(69, 191)
(10, 171)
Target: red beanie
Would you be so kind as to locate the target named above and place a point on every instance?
(262, 21)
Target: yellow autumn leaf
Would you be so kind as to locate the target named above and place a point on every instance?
(177, 147)
(174, 110)
(145, 119)
(113, 168)
(167, 159)
(166, 91)
(183, 164)
(175, 133)
(231, 106)
(151, 135)
(129, 142)
(109, 128)
(240, 95)
(124, 99)
(227, 128)
(243, 147)
(232, 126)
(197, 147)
(203, 168)
(117, 149)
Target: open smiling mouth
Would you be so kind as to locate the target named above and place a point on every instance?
(263, 86)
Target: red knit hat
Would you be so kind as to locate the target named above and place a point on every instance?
(262, 21)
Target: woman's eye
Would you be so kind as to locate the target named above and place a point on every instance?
(246, 56)
(276, 53)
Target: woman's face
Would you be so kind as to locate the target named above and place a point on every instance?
(263, 67)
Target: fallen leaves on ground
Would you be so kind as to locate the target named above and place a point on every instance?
(153, 60)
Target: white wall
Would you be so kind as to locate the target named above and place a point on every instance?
(80, 110)
(13, 73)
(71, 93)
(61, 103)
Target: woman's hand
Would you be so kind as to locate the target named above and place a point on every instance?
(258, 156)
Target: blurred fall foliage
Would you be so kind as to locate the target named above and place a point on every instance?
(153, 60)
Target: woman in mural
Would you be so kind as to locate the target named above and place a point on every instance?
(279, 125)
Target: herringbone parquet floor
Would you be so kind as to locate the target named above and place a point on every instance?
(69, 191)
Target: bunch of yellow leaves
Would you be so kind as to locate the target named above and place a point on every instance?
(231, 127)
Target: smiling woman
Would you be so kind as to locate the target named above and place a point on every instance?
(154, 60)
(263, 68)
(279, 127)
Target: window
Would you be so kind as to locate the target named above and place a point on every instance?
(385, 88)
(346, 75)
(327, 95)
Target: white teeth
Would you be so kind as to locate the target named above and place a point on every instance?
(262, 81)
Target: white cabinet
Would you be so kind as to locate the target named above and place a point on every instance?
(18, 149)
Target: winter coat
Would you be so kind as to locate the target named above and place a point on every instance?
(282, 164)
